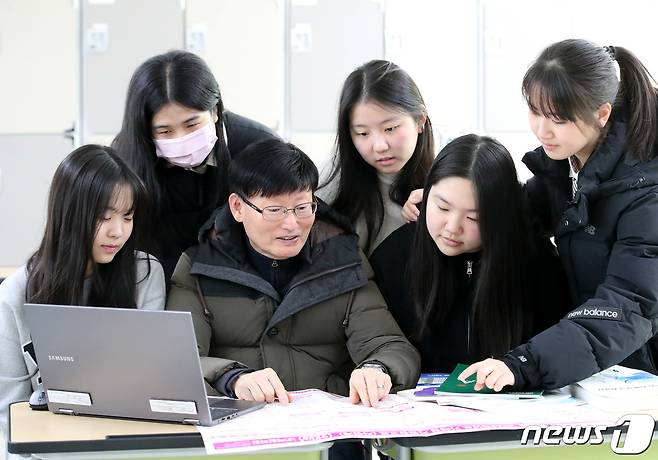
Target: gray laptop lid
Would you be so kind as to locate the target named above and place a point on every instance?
(123, 363)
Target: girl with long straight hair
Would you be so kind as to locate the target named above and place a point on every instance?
(595, 189)
(474, 283)
(87, 256)
(384, 148)
(179, 139)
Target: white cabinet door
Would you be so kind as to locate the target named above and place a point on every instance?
(38, 80)
(119, 36)
(242, 42)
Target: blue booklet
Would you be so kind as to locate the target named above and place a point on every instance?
(431, 379)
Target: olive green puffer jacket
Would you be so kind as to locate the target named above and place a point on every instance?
(331, 317)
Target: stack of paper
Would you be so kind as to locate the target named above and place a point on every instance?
(619, 388)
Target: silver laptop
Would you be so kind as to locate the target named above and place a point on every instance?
(124, 363)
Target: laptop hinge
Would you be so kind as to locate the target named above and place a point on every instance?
(190, 421)
(66, 411)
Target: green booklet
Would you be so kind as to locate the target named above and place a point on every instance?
(467, 388)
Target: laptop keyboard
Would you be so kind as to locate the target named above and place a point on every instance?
(217, 413)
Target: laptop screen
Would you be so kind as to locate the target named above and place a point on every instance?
(119, 362)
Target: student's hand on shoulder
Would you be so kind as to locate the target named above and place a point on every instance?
(491, 373)
(369, 385)
(410, 210)
(263, 385)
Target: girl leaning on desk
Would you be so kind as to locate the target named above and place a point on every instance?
(87, 256)
(470, 279)
(178, 137)
(595, 189)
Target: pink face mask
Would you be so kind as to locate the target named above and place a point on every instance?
(190, 150)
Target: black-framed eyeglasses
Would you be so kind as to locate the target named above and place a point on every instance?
(273, 213)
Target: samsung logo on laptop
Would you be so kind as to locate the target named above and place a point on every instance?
(68, 359)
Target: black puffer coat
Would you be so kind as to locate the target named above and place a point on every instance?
(607, 237)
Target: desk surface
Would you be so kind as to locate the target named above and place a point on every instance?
(42, 431)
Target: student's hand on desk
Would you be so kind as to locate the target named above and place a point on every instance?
(410, 210)
(491, 373)
(369, 385)
(262, 385)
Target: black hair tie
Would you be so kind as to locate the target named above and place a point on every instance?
(611, 51)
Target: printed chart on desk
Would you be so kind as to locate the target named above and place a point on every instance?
(315, 416)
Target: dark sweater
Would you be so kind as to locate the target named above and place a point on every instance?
(454, 340)
(277, 272)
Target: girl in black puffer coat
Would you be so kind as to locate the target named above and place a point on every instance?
(595, 189)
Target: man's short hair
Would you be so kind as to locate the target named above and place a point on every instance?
(271, 167)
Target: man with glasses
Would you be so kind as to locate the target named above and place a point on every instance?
(281, 296)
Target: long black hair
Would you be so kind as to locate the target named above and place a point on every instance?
(82, 189)
(572, 78)
(501, 290)
(183, 78)
(386, 84)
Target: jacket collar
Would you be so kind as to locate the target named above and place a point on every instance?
(228, 237)
(610, 170)
(331, 247)
(609, 159)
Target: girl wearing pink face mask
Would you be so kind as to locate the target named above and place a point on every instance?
(179, 139)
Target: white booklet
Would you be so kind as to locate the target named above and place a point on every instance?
(619, 388)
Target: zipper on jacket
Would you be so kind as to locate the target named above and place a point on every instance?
(348, 310)
(469, 273)
(206, 311)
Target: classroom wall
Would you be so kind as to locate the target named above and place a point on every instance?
(515, 32)
(38, 102)
(243, 45)
(117, 36)
(467, 56)
(37, 56)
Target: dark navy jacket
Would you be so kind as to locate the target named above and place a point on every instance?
(607, 237)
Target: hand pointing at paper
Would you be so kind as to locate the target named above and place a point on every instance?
(491, 373)
(368, 385)
(263, 385)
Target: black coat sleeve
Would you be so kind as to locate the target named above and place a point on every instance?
(618, 320)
